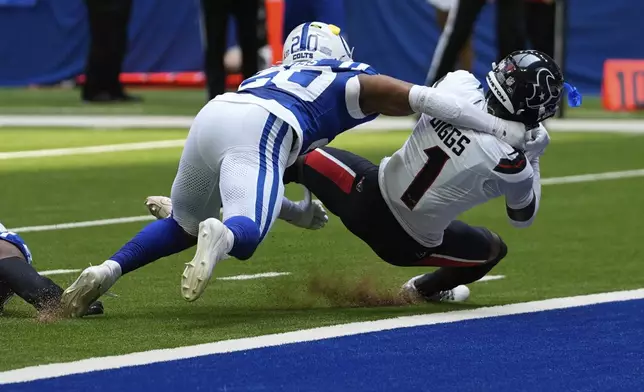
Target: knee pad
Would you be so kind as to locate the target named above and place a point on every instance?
(247, 236)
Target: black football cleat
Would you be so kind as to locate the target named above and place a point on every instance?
(95, 309)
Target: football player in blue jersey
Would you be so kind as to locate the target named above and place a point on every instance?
(240, 144)
(406, 208)
(17, 276)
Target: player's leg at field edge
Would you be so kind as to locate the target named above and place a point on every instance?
(448, 277)
(19, 277)
(158, 239)
(161, 238)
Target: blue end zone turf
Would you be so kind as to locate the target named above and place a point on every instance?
(591, 348)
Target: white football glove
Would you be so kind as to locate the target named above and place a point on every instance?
(159, 206)
(308, 214)
(536, 142)
(511, 132)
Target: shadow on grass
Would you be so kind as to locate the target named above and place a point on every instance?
(324, 299)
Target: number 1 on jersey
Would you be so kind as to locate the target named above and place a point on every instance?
(425, 177)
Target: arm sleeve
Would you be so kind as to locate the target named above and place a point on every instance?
(452, 109)
(522, 198)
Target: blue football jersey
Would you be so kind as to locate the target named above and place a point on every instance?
(315, 93)
(16, 240)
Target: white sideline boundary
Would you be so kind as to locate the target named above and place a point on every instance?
(307, 335)
(142, 218)
(379, 124)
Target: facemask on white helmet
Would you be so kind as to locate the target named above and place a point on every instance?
(315, 41)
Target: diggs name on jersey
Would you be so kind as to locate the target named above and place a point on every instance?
(451, 137)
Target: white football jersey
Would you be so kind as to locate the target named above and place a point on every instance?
(442, 171)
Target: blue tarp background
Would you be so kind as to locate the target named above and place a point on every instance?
(45, 41)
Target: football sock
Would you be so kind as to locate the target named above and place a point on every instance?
(245, 236)
(115, 269)
(446, 278)
(28, 284)
(160, 238)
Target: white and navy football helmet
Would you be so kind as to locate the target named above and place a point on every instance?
(315, 41)
(526, 86)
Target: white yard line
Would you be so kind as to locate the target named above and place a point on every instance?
(379, 124)
(227, 346)
(596, 125)
(56, 152)
(75, 225)
(254, 276)
(58, 272)
(141, 218)
(593, 177)
(234, 277)
(488, 278)
(96, 121)
(242, 277)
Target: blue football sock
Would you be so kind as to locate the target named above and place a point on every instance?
(247, 236)
(160, 238)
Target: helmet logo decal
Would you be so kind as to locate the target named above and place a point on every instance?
(542, 92)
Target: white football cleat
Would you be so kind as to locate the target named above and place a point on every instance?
(91, 284)
(159, 206)
(211, 248)
(409, 292)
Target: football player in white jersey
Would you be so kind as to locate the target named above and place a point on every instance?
(240, 144)
(406, 208)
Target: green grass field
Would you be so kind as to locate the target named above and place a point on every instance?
(585, 240)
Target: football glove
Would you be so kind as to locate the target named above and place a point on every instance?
(536, 142)
(511, 132)
(307, 213)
